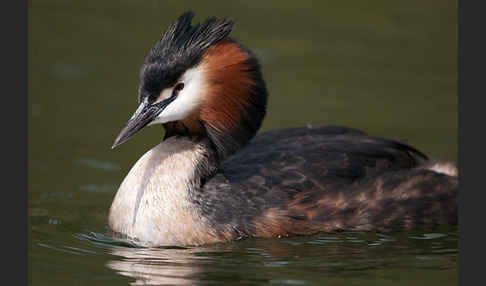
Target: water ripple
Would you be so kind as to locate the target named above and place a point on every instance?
(96, 164)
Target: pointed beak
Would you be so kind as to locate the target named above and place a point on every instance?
(144, 114)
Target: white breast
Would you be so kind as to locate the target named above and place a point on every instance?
(152, 203)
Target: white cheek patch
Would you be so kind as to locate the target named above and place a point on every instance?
(187, 101)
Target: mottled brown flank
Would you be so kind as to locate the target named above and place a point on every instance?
(407, 199)
(228, 81)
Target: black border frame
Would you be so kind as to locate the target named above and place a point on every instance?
(14, 132)
(471, 63)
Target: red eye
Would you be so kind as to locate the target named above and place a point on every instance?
(178, 87)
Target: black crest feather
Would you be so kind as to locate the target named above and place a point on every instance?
(180, 47)
(181, 40)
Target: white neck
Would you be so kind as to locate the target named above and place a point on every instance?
(153, 204)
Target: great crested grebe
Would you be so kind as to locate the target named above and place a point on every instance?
(206, 182)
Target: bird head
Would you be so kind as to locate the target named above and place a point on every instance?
(196, 80)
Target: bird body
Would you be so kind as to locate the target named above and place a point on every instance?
(212, 180)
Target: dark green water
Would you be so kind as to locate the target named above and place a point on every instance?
(386, 67)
